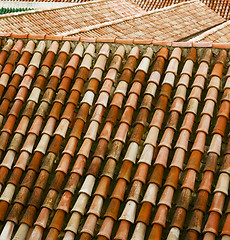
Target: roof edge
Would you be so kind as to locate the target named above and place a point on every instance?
(210, 31)
(187, 44)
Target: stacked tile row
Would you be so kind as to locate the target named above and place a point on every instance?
(119, 140)
(164, 146)
(33, 133)
(198, 148)
(205, 188)
(128, 214)
(20, 133)
(59, 135)
(84, 151)
(16, 76)
(45, 102)
(10, 63)
(222, 186)
(13, 85)
(14, 114)
(24, 87)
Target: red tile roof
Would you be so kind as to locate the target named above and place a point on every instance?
(64, 20)
(149, 5)
(172, 24)
(218, 34)
(118, 19)
(93, 136)
(222, 7)
(64, 1)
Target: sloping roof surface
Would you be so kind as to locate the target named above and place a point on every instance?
(113, 141)
(219, 34)
(65, 19)
(67, 1)
(116, 18)
(149, 5)
(222, 7)
(175, 23)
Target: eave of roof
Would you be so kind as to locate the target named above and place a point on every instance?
(187, 44)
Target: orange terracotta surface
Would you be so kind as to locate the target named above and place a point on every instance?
(46, 149)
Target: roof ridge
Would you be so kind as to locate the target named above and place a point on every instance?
(145, 13)
(176, 5)
(100, 25)
(210, 31)
(220, 7)
(150, 41)
(134, 16)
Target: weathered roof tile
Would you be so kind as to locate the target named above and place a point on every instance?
(57, 110)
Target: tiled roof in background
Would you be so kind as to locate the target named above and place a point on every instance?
(149, 5)
(93, 136)
(67, 1)
(22, 6)
(222, 7)
(220, 33)
(66, 19)
(173, 24)
(116, 18)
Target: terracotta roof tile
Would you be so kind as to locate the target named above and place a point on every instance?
(62, 20)
(91, 142)
(218, 34)
(153, 24)
(220, 7)
(119, 20)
